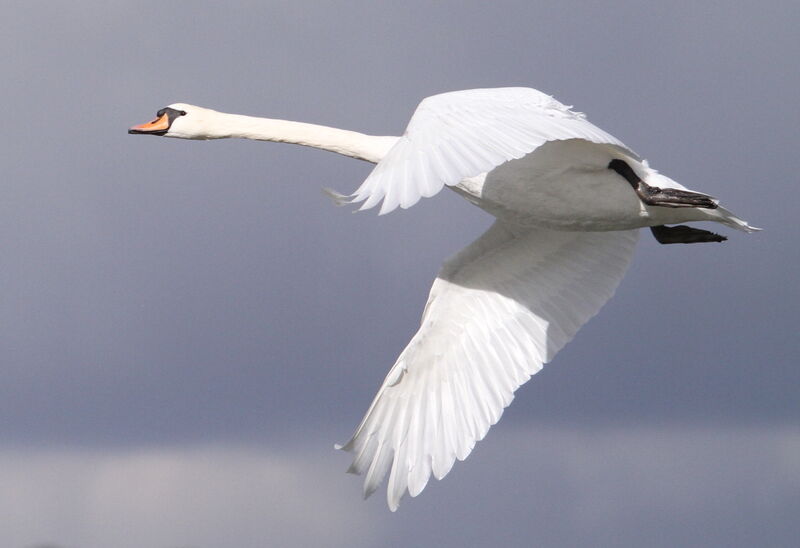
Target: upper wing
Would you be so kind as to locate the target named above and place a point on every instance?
(462, 134)
(496, 313)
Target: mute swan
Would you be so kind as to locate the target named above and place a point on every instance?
(568, 199)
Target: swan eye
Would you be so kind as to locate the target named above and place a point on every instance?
(183, 113)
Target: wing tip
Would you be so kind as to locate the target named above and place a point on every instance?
(338, 198)
(347, 446)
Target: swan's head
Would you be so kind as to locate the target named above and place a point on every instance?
(180, 120)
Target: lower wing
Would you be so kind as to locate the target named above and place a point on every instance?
(497, 312)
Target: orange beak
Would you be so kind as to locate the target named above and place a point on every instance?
(159, 126)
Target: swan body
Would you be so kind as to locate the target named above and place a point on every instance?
(566, 226)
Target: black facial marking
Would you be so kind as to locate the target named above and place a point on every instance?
(171, 113)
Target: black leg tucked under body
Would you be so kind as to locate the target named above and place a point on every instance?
(672, 197)
(664, 197)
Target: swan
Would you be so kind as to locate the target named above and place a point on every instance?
(569, 200)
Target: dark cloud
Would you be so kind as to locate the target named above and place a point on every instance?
(538, 485)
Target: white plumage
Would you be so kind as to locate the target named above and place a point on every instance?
(496, 313)
(457, 135)
(565, 232)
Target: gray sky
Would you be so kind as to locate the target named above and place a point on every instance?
(187, 327)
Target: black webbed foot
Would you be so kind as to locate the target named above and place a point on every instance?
(664, 197)
(683, 234)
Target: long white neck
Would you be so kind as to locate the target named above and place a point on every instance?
(371, 148)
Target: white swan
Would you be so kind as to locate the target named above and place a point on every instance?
(568, 198)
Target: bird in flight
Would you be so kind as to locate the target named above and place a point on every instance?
(568, 201)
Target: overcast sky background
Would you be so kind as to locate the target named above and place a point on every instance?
(186, 328)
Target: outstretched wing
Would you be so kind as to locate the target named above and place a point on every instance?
(462, 134)
(496, 313)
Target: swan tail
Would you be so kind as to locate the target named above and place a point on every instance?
(727, 218)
